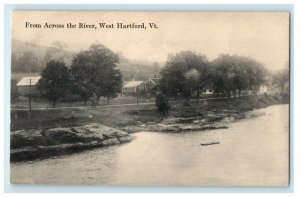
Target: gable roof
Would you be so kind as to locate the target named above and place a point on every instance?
(25, 81)
(154, 80)
(130, 84)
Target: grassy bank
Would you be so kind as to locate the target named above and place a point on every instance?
(130, 115)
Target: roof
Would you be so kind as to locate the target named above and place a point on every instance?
(25, 81)
(130, 84)
(154, 80)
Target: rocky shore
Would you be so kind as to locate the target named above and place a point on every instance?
(210, 121)
(36, 144)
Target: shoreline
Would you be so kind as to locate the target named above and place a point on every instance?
(34, 144)
(42, 143)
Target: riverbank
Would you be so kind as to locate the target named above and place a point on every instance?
(136, 115)
(59, 132)
(199, 115)
(251, 152)
(37, 144)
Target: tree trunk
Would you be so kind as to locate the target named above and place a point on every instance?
(54, 102)
(198, 94)
(107, 100)
(239, 92)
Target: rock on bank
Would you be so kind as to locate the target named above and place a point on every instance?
(34, 144)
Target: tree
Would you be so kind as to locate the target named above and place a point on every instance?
(95, 71)
(162, 104)
(111, 82)
(183, 74)
(14, 95)
(256, 74)
(55, 81)
(230, 73)
(222, 74)
(81, 74)
(281, 80)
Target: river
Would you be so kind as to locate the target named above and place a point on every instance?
(253, 151)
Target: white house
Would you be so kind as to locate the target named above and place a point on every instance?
(132, 87)
(28, 85)
(263, 89)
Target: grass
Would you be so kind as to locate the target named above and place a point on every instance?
(129, 115)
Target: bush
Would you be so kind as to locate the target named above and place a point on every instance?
(162, 104)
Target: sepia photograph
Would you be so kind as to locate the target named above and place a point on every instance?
(150, 98)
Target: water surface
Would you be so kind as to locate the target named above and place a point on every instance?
(252, 152)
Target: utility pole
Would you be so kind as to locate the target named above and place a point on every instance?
(29, 102)
(137, 95)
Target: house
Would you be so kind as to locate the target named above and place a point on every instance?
(28, 85)
(151, 83)
(208, 92)
(133, 87)
(263, 89)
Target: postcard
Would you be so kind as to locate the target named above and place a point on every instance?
(150, 98)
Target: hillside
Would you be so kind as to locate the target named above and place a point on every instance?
(29, 57)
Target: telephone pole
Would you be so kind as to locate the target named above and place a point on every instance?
(29, 91)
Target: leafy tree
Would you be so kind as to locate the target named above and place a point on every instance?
(111, 82)
(222, 74)
(55, 81)
(95, 71)
(281, 80)
(81, 72)
(183, 74)
(230, 73)
(162, 104)
(14, 95)
(256, 74)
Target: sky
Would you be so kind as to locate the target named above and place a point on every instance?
(263, 36)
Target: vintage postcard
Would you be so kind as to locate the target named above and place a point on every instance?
(150, 98)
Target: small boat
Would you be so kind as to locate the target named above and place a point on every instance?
(209, 143)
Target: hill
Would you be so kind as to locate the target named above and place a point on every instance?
(32, 58)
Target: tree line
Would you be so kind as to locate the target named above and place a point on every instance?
(187, 73)
(94, 73)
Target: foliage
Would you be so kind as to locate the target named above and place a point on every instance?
(230, 73)
(281, 79)
(55, 81)
(81, 71)
(95, 72)
(162, 104)
(183, 74)
(13, 90)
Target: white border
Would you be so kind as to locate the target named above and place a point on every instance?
(295, 73)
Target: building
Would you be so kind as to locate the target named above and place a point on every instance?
(151, 84)
(133, 87)
(263, 89)
(208, 92)
(28, 85)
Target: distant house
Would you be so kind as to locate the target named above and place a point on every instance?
(263, 89)
(208, 92)
(28, 85)
(151, 83)
(132, 87)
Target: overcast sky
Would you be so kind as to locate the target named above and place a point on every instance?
(263, 36)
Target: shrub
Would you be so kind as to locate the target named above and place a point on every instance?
(162, 104)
